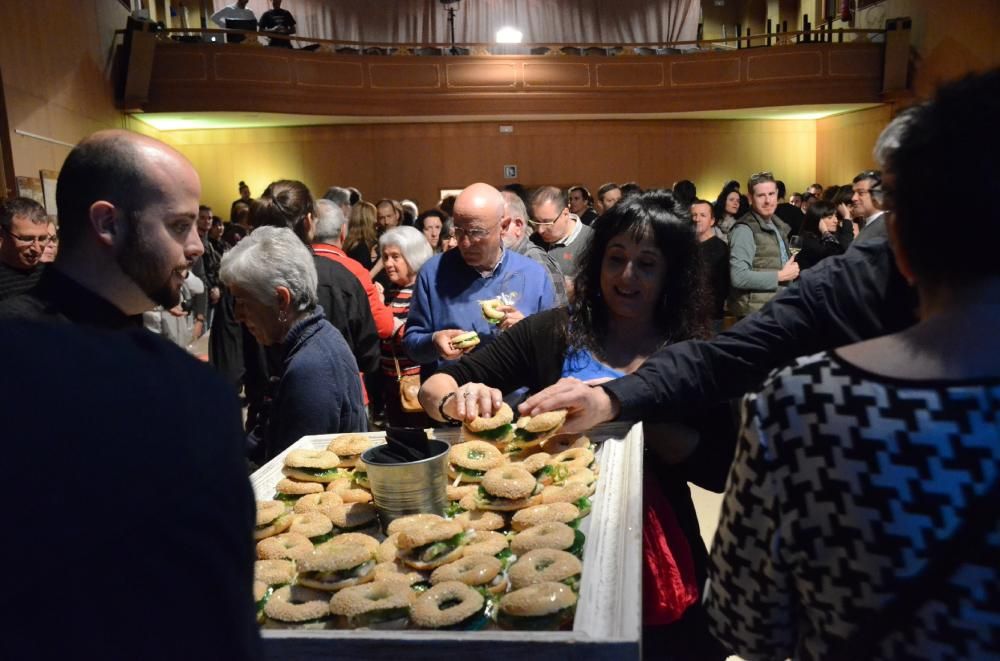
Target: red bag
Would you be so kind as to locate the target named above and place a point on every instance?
(669, 586)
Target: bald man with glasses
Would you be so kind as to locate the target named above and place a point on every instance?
(24, 234)
(450, 287)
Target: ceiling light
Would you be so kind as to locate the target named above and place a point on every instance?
(509, 35)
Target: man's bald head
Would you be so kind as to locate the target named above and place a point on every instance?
(480, 200)
(116, 166)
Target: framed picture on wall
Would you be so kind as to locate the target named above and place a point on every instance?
(445, 192)
(31, 187)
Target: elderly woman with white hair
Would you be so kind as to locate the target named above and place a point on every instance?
(403, 251)
(315, 388)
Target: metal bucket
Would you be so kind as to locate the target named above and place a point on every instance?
(413, 487)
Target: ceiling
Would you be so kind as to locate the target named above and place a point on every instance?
(230, 120)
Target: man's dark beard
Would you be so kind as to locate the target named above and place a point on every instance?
(138, 261)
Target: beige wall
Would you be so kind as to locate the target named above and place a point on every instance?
(417, 160)
(844, 144)
(55, 56)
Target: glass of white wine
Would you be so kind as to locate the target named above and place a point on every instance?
(794, 245)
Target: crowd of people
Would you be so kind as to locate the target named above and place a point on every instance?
(860, 475)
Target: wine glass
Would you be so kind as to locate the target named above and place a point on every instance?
(794, 245)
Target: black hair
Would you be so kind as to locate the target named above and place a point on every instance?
(685, 191)
(816, 212)
(720, 202)
(952, 145)
(23, 207)
(583, 190)
(630, 188)
(781, 189)
(681, 312)
(284, 203)
(107, 168)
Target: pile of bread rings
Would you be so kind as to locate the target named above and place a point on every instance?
(507, 552)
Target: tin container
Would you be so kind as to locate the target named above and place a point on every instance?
(413, 487)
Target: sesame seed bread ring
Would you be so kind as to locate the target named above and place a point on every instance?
(429, 610)
(542, 565)
(259, 590)
(561, 442)
(469, 502)
(534, 462)
(551, 535)
(294, 603)
(366, 542)
(475, 570)
(509, 482)
(311, 524)
(333, 558)
(349, 448)
(535, 515)
(274, 572)
(269, 510)
(567, 493)
(459, 492)
(580, 476)
(480, 520)
(396, 572)
(471, 459)
(387, 550)
(419, 535)
(504, 416)
(379, 595)
(573, 458)
(321, 459)
(472, 502)
(315, 502)
(350, 516)
(485, 543)
(543, 422)
(413, 520)
(538, 599)
(286, 546)
(291, 487)
(279, 526)
(344, 487)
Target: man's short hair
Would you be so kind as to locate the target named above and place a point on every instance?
(606, 188)
(549, 194)
(630, 188)
(759, 178)
(338, 195)
(781, 188)
(514, 206)
(711, 207)
(875, 177)
(583, 191)
(21, 207)
(105, 168)
(330, 221)
(203, 207)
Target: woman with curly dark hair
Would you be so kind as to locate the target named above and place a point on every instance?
(639, 288)
(730, 206)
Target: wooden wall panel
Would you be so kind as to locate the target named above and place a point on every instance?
(323, 73)
(56, 62)
(844, 144)
(416, 160)
(552, 74)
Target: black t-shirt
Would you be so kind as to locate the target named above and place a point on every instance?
(792, 216)
(280, 21)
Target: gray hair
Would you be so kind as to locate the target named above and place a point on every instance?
(514, 206)
(330, 221)
(411, 242)
(338, 195)
(268, 258)
(892, 136)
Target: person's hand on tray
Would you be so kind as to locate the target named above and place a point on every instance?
(473, 400)
(588, 404)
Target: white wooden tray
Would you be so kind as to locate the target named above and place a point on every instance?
(609, 613)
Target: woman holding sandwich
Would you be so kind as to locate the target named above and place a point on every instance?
(638, 289)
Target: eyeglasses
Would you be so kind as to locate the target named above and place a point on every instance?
(28, 240)
(474, 234)
(537, 223)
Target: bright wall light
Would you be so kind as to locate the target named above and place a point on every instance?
(509, 35)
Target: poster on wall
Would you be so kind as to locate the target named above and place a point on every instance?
(48, 178)
(31, 187)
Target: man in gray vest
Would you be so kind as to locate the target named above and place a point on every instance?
(760, 261)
